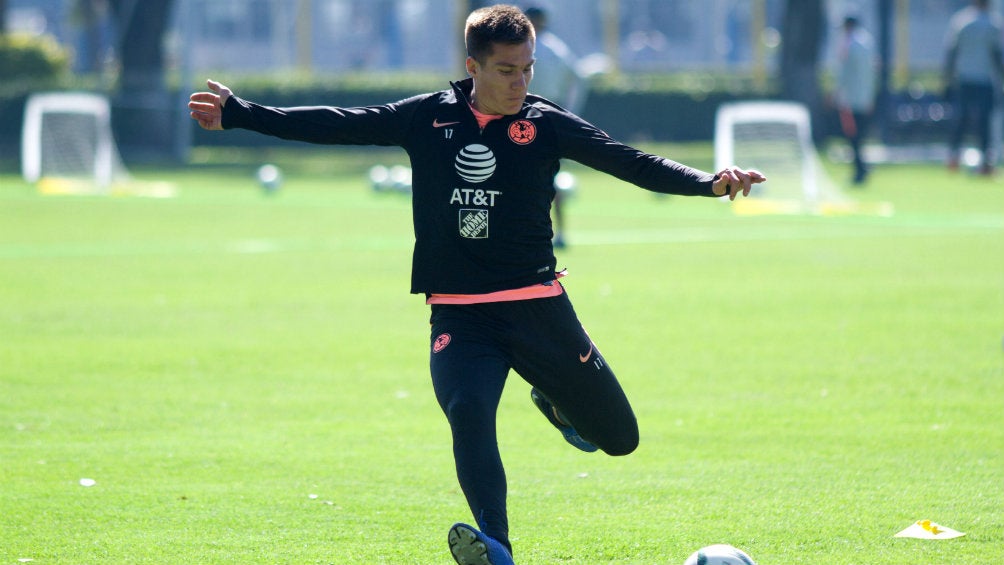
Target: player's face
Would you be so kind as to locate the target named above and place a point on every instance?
(501, 81)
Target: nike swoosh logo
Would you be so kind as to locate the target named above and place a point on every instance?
(584, 358)
(438, 124)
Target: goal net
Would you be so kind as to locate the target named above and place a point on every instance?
(776, 139)
(67, 147)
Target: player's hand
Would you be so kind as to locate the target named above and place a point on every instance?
(207, 107)
(732, 181)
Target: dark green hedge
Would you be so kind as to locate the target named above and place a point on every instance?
(678, 107)
(632, 108)
(30, 62)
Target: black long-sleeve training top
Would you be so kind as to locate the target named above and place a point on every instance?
(480, 197)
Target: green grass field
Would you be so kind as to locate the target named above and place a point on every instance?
(245, 377)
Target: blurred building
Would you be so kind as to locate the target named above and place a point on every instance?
(639, 38)
(339, 35)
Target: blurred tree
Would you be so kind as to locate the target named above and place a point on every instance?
(141, 35)
(883, 103)
(88, 15)
(802, 38)
(143, 104)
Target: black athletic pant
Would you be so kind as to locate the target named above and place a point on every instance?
(856, 140)
(976, 103)
(474, 346)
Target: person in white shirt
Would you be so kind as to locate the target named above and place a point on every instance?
(557, 78)
(973, 70)
(855, 89)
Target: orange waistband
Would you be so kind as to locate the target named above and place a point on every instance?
(545, 290)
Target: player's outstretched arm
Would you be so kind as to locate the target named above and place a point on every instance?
(207, 107)
(732, 181)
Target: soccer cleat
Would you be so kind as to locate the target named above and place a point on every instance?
(472, 547)
(553, 416)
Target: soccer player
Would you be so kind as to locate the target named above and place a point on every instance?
(484, 154)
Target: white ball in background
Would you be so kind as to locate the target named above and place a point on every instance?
(565, 182)
(269, 177)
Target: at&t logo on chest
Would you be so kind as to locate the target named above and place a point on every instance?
(475, 163)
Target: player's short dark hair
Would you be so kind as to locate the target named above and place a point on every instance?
(501, 23)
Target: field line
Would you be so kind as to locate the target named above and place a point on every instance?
(803, 230)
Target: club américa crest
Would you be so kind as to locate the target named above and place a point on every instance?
(441, 342)
(522, 132)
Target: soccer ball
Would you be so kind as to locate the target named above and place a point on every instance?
(269, 177)
(565, 182)
(396, 178)
(719, 554)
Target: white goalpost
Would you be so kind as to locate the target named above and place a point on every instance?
(776, 138)
(67, 141)
(67, 147)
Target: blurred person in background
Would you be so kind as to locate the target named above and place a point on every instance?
(557, 78)
(855, 89)
(973, 71)
(484, 153)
